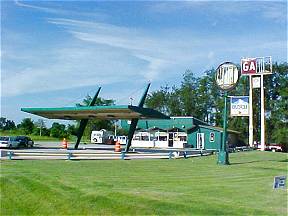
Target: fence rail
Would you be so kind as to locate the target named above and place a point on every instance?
(76, 155)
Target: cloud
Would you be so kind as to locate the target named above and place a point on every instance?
(59, 11)
(44, 9)
(97, 53)
(269, 10)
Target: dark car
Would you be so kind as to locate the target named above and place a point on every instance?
(25, 141)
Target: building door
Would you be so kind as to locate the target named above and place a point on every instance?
(200, 141)
(170, 139)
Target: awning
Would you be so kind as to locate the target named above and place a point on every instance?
(99, 112)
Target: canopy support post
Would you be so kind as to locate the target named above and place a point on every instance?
(83, 122)
(134, 122)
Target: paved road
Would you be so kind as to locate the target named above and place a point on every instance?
(41, 145)
(57, 145)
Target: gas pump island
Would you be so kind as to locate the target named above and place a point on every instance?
(227, 77)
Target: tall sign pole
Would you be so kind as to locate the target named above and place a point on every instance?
(257, 66)
(226, 78)
(250, 112)
(262, 143)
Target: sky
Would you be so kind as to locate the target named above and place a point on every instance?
(54, 53)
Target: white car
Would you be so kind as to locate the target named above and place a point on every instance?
(9, 142)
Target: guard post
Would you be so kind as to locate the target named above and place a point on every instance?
(227, 77)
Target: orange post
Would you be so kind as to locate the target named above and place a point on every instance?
(117, 146)
(64, 143)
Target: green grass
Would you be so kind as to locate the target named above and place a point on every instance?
(145, 187)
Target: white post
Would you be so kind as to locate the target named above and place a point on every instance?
(262, 115)
(250, 112)
(115, 129)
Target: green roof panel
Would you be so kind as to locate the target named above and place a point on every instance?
(98, 112)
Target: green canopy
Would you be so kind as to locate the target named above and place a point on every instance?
(99, 112)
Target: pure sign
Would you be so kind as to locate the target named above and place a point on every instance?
(248, 66)
(239, 106)
(227, 76)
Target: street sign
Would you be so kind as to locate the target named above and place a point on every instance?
(279, 182)
(239, 106)
(227, 76)
(256, 82)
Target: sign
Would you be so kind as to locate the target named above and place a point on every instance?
(279, 182)
(256, 82)
(227, 76)
(248, 66)
(212, 137)
(256, 66)
(239, 106)
(200, 140)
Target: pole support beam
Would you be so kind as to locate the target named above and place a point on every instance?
(83, 122)
(223, 157)
(134, 122)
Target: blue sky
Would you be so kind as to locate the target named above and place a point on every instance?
(53, 53)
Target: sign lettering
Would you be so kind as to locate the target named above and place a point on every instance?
(248, 66)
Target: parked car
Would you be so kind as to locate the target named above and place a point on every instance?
(25, 141)
(275, 147)
(9, 142)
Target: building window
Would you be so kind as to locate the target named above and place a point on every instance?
(212, 137)
(162, 138)
(145, 138)
(183, 138)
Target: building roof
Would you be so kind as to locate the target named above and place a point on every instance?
(219, 129)
(99, 112)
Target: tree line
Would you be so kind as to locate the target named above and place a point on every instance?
(30, 127)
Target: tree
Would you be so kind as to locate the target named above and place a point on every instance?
(96, 124)
(6, 124)
(40, 124)
(71, 129)
(27, 125)
(58, 130)
(158, 100)
(276, 104)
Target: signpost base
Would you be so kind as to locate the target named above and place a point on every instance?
(223, 158)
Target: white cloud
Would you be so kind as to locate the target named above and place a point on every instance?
(59, 11)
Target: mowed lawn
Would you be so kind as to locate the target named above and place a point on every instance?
(195, 186)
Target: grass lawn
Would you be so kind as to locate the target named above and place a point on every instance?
(145, 187)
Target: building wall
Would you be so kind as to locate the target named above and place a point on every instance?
(194, 125)
(192, 138)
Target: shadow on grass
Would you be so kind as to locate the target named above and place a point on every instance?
(257, 161)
